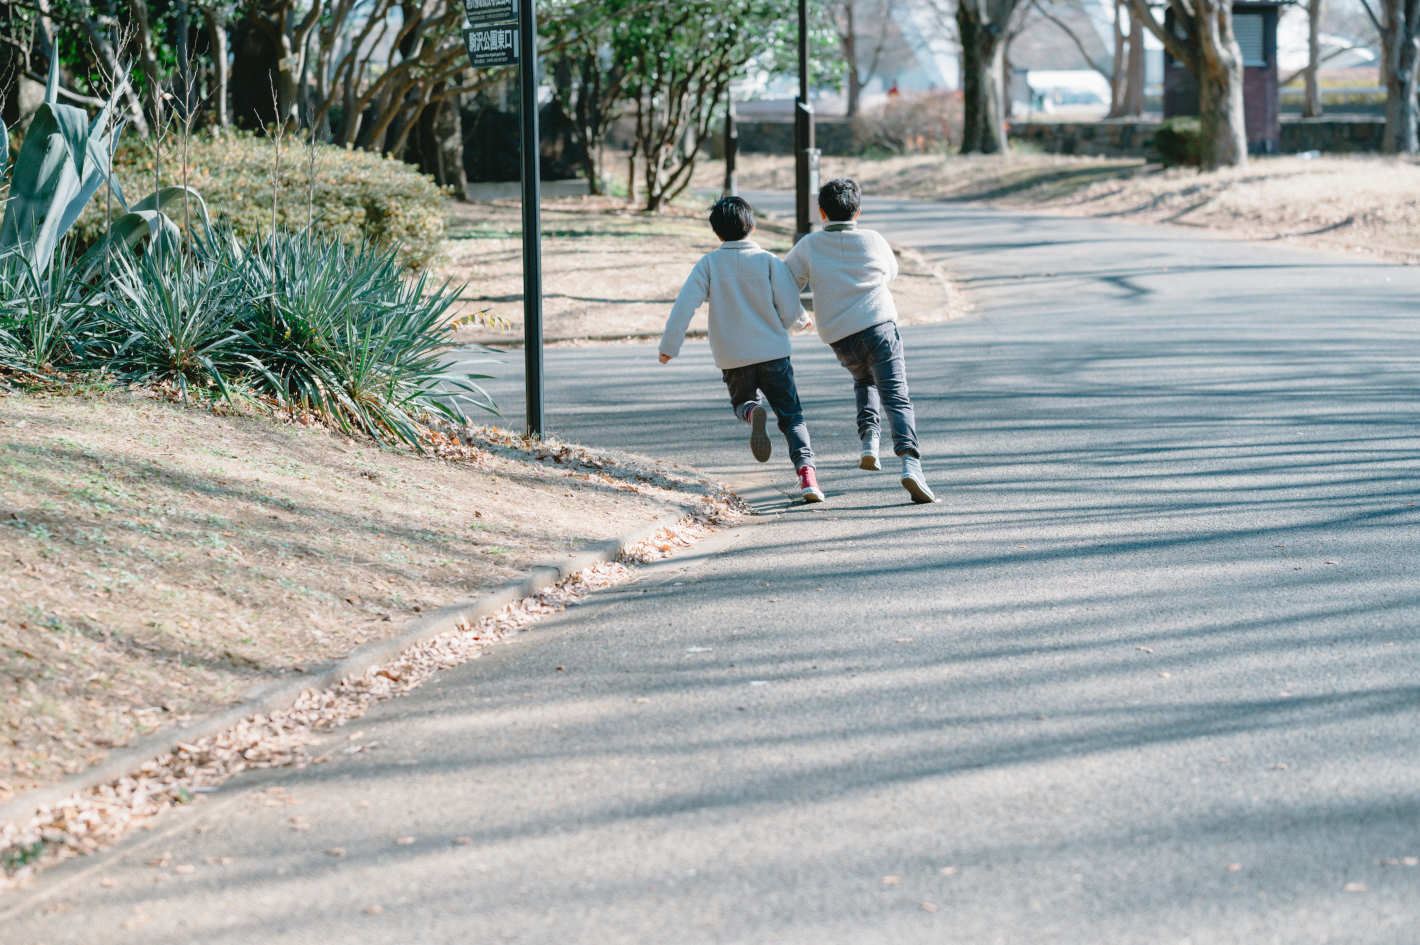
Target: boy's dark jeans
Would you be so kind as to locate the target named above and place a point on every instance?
(874, 357)
(776, 379)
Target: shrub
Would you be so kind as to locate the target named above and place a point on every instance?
(170, 319)
(359, 197)
(47, 317)
(1179, 142)
(907, 124)
(343, 333)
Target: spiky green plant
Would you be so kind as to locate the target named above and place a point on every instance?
(342, 333)
(47, 317)
(175, 323)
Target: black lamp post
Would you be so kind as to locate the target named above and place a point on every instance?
(805, 154)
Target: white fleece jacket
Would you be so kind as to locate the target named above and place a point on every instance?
(753, 304)
(849, 270)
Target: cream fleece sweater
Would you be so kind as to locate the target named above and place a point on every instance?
(849, 270)
(753, 304)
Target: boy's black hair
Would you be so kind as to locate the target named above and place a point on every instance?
(840, 199)
(731, 218)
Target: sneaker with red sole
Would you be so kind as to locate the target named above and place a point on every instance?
(808, 485)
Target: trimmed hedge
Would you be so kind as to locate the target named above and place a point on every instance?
(359, 196)
(1179, 142)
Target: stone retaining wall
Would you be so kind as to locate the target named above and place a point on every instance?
(1342, 134)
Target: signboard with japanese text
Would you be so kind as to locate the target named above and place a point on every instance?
(491, 45)
(488, 12)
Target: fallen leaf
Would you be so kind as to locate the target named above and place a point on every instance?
(374, 910)
(403, 841)
(462, 841)
(186, 869)
(948, 871)
(1234, 867)
(891, 880)
(1354, 887)
(335, 851)
(929, 907)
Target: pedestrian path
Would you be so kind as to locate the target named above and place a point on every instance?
(1146, 674)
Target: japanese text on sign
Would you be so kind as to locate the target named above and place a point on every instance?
(491, 46)
(487, 12)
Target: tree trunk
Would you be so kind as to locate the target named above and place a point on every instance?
(146, 54)
(1400, 118)
(221, 70)
(1311, 107)
(982, 60)
(848, 40)
(1400, 53)
(1134, 83)
(1118, 77)
(1220, 112)
(440, 145)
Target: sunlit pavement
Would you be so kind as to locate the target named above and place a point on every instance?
(1147, 674)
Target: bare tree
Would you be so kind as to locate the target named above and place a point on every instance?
(1311, 106)
(1399, 26)
(1209, 50)
(862, 48)
(983, 27)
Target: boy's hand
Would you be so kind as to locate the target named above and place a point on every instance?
(665, 357)
(804, 323)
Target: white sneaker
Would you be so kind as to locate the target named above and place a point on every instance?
(869, 457)
(914, 482)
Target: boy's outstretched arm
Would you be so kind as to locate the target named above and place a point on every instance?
(786, 295)
(692, 295)
(889, 257)
(797, 261)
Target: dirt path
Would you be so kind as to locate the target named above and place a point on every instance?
(611, 272)
(1367, 205)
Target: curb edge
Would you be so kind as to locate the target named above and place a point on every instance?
(269, 697)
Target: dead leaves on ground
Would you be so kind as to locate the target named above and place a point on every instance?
(96, 818)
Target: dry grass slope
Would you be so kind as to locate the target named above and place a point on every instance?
(156, 561)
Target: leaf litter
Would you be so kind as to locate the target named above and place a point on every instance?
(91, 820)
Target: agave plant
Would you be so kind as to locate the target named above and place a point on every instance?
(65, 159)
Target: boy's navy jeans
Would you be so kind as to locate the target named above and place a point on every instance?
(776, 379)
(874, 357)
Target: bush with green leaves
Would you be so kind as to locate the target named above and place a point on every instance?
(306, 313)
(342, 332)
(48, 317)
(1179, 142)
(359, 197)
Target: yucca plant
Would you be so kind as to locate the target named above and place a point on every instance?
(47, 317)
(174, 321)
(342, 333)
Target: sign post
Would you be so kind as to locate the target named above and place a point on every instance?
(805, 154)
(504, 33)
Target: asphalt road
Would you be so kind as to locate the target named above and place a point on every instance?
(1147, 674)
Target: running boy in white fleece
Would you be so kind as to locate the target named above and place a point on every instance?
(849, 270)
(753, 304)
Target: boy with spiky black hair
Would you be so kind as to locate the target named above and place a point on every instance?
(849, 269)
(753, 304)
